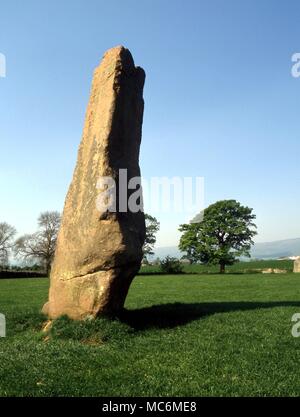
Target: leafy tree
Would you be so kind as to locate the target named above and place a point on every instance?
(152, 227)
(40, 245)
(7, 234)
(224, 233)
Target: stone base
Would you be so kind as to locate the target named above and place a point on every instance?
(102, 293)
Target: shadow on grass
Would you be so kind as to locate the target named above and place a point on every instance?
(177, 314)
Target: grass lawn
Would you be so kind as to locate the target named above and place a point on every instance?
(187, 335)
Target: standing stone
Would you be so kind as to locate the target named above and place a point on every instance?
(297, 265)
(99, 253)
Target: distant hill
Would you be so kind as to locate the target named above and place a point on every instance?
(265, 250)
(277, 249)
(162, 252)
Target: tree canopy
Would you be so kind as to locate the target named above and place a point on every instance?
(223, 233)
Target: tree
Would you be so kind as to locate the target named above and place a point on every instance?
(7, 234)
(224, 234)
(152, 227)
(41, 245)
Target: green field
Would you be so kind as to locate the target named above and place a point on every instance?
(185, 335)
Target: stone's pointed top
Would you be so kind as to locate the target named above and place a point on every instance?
(118, 53)
(116, 50)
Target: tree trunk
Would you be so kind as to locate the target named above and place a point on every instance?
(222, 268)
(48, 268)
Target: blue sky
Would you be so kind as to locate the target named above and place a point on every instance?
(220, 101)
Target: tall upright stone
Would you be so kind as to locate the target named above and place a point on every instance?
(297, 264)
(99, 253)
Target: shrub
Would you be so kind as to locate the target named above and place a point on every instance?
(171, 265)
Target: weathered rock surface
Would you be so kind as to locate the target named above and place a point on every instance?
(273, 271)
(98, 254)
(297, 265)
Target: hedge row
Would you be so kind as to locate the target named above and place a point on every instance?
(21, 274)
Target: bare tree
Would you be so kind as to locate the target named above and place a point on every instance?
(7, 234)
(41, 245)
